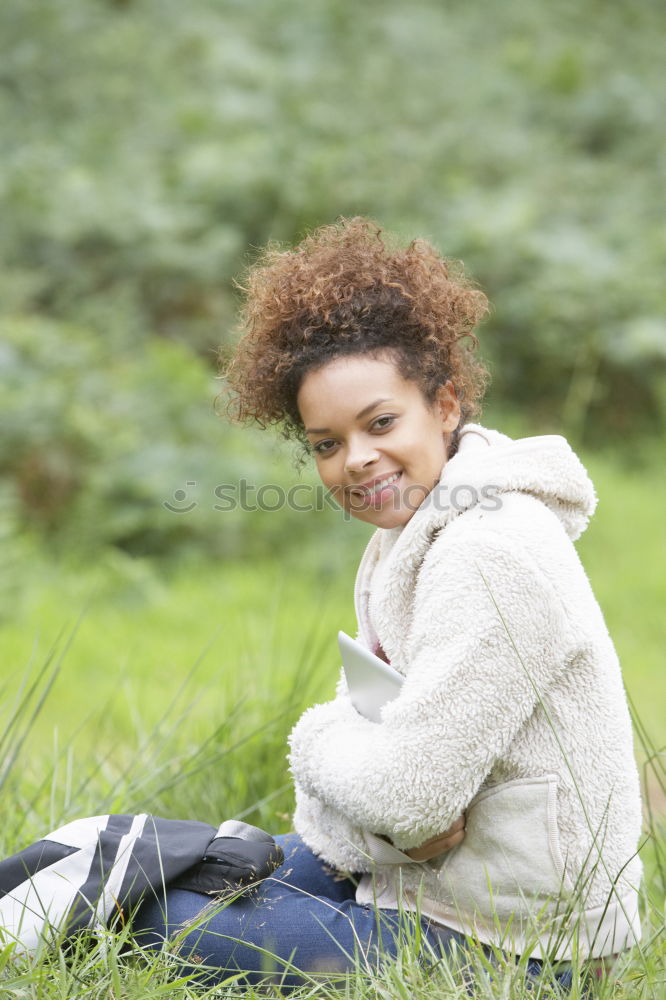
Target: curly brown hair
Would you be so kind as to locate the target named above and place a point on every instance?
(348, 289)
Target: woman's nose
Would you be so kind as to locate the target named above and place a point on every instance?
(360, 455)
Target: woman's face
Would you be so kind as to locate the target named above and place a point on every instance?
(378, 444)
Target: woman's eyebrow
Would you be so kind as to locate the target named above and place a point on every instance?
(362, 413)
(371, 406)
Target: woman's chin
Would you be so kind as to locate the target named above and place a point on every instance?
(383, 517)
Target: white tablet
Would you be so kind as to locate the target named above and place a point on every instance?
(371, 681)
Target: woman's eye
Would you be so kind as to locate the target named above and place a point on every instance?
(381, 423)
(323, 447)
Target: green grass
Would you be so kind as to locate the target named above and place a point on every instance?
(175, 691)
(136, 637)
(199, 672)
(140, 629)
(623, 552)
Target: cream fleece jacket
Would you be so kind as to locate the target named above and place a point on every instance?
(512, 710)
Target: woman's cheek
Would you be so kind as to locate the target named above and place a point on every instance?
(340, 495)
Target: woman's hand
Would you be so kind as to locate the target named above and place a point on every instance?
(443, 842)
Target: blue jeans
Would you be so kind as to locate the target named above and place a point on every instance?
(304, 917)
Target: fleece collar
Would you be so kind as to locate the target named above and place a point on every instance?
(486, 465)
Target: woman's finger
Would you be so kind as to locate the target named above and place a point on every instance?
(438, 845)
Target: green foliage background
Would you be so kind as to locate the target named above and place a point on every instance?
(149, 146)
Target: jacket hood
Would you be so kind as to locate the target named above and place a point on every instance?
(488, 464)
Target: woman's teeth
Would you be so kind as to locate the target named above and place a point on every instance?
(382, 484)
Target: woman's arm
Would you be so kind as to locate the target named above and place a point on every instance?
(331, 835)
(489, 636)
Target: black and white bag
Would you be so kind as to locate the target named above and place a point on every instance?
(93, 870)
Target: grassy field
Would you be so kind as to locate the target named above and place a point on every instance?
(135, 630)
(176, 688)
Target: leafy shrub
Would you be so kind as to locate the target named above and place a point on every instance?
(124, 448)
(140, 165)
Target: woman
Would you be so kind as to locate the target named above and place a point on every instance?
(512, 719)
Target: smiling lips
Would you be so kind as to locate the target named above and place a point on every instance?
(375, 489)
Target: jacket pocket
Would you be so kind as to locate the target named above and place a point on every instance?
(511, 858)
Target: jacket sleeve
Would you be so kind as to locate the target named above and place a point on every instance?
(489, 636)
(332, 836)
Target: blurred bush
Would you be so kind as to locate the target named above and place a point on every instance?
(149, 147)
(102, 447)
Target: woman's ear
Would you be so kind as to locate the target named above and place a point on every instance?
(448, 406)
